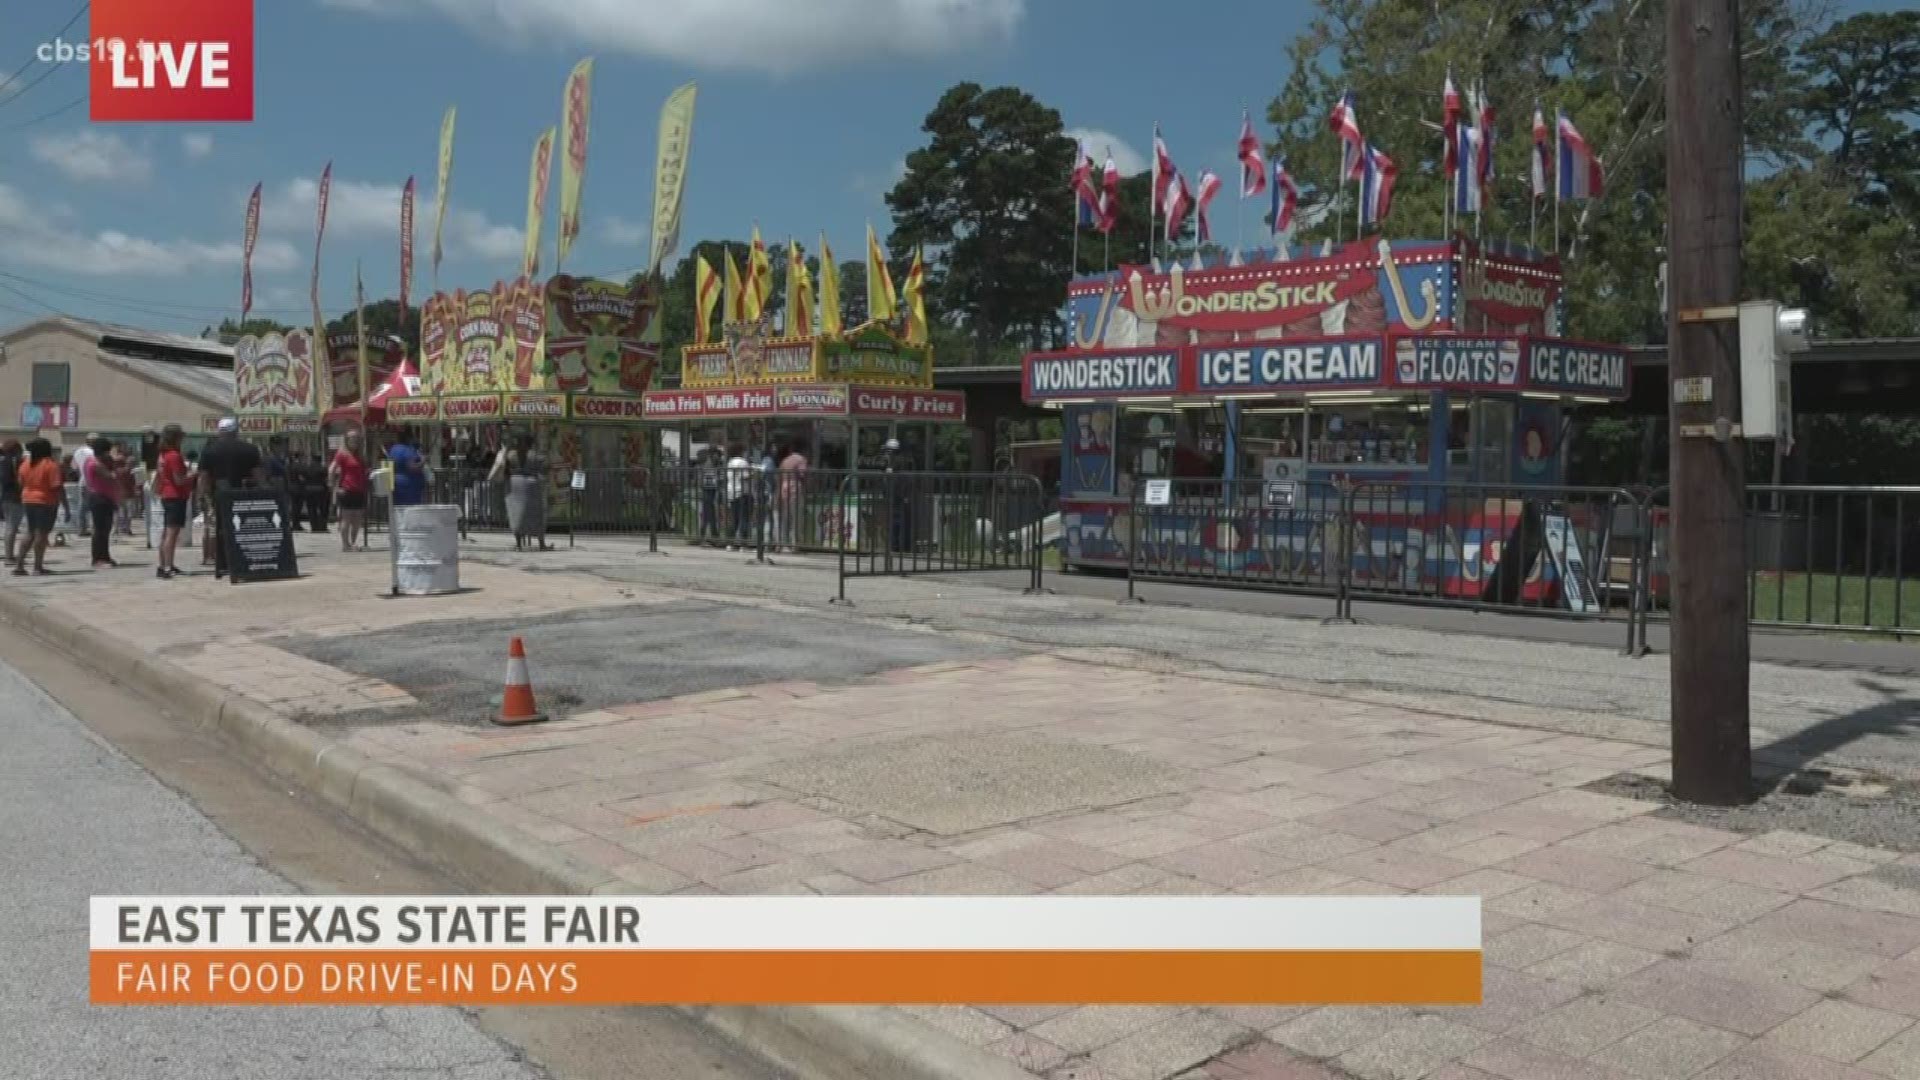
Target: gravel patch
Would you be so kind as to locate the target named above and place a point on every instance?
(1858, 810)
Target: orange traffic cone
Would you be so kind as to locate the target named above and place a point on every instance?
(516, 703)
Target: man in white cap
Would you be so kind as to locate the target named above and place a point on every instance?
(227, 464)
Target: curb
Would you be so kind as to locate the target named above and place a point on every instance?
(814, 1042)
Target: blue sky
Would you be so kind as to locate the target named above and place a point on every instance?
(805, 113)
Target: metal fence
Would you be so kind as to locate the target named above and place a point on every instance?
(1833, 558)
(905, 523)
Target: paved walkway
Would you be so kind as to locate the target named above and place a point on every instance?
(1619, 943)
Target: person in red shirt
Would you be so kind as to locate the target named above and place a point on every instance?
(173, 482)
(347, 475)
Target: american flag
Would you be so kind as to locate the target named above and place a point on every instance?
(1345, 123)
(1286, 198)
(1376, 186)
(1209, 187)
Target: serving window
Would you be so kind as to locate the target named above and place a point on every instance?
(1384, 434)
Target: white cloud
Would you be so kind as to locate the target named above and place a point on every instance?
(361, 209)
(48, 238)
(621, 231)
(197, 144)
(775, 36)
(91, 155)
(1128, 160)
(880, 182)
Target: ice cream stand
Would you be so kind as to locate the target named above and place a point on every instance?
(1435, 371)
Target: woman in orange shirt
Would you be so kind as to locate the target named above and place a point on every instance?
(41, 488)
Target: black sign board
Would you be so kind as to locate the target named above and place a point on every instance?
(256, 532)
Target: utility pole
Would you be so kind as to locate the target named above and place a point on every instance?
(1712, 754)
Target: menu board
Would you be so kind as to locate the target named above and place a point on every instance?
(257, 532)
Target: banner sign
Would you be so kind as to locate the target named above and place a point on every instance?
(1573, 367)
(257, 532)
(1132, 372)
(535, 407)
(469, 408)
(40, 415)
(597, 334)
(343, 351)
(1457, 362)
(811, 401)
(1510, 364)
(591, 407)
(677, 404)
(1326, 364)
(872, 354)
(948, 406)
(413, 410)
(273, 375)
(746, 357)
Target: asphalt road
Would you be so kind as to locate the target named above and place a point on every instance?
(77, 818)
(643, 652)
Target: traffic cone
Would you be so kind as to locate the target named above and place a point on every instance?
(516, 702)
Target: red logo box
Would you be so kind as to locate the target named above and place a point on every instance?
(165, 60)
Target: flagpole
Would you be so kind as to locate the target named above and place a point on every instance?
(1106, 231)
(1557, 180)
(1153, 196)
(360, 329)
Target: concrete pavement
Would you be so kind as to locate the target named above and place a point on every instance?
(80, 820)
(1095, 748)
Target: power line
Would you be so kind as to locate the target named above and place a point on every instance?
(137, 302)
(35, 56)
(68, 107)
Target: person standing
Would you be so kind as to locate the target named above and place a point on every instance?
(101, 482)
(525, 471)
(123, 463)
(79, 475)
(899, 500)
(173, 482)
(793, 483)
(740, 476)
(228, 464)
(42, 491)
(710, 485)
(13, 512)
(409, 471)
(347, 474)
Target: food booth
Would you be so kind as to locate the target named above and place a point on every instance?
(1416, 376)
(276, 389)
(839, 399)
(566, 359)
(386, 358)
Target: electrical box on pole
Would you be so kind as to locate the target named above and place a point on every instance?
(1770, 337)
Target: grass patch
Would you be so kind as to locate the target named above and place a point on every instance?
(1881, 602)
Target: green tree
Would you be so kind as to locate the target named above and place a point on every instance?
(230, 331)
(986, 200)
(383, 318)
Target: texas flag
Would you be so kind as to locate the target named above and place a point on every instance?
(1253, 164)
(1209, 187)
(1286, 198)
(1579, 171)
(1467, 193)
(1345, 123)
(1109, 195)
(1450, 122)
(1179, 203)
(1483, 137)
(1376, 186)
(1163, 171)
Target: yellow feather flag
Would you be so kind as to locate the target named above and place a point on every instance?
(573, 156)
(799, 294)
(440, 189)
(829, 291)
(917, 301)
(734, 310)
(882, 302)
(759, 277)
(706, 294)
(537, 201)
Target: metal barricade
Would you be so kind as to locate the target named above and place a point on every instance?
(898, 524)
(1248, 533)
(1833, 558)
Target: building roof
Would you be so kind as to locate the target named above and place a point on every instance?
(210, 385)
(119, 338)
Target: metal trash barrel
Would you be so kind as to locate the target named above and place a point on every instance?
(425, 542)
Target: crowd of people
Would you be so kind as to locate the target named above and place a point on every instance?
(94, 490)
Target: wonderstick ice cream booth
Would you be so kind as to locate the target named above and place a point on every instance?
(1435, 371)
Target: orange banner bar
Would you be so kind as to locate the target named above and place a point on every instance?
(660, 977)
